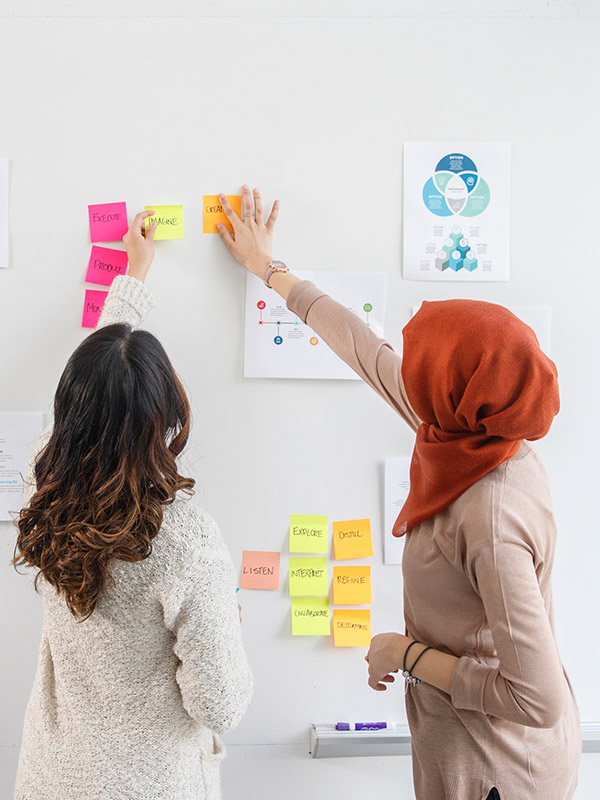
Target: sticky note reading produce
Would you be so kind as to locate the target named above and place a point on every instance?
(308, 533)
(108, 222)
(310, 616)
(352, 539)
(352, 627)
(169, 221)
(213, 212)
(105, 264)
(351, 586)
(92, 307)
(260, 570)
(308, 577)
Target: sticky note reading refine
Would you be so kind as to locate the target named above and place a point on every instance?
(352, 539)
(260, 570)
(351, 586)
(352, 627)
(108, 222)
(92, 307)
(308, 577)
(105, 264)
(213, 212)
(168, 219)
(310, 616)
(308, 533)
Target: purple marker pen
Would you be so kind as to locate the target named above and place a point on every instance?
(365, 726)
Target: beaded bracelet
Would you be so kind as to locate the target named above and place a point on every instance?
(407, 673)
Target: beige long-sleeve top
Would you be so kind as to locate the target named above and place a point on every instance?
(477, 585)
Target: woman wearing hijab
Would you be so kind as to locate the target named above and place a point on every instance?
(491, 710)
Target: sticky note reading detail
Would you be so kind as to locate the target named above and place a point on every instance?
(308, 533)
(169, 221)
(105, 264)
(352, 539)
(352, 627)
(310, 616)
(213, 212)
(308, 577)
(351, 585)
(92, 307)
(260, 570)
(108, 222)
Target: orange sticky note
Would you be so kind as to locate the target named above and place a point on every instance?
(352, 539)
(352, 627)
(212, 211)
(260, 570)
(351, 585)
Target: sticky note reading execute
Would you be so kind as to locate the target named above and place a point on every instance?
(352, 627)
(108, 222)
(260, 570)
(169, 221)
(310, 616)
(352, 539)
(308, 533)
(213, 212)
(308, 577)
(351, 586)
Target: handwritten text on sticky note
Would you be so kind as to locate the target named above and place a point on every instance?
(108, 222)
(213, 212)
(168, 219)
(351, 585)
(105, 264)
(308, 577)
(352, 539)
(260, 570)
(308, 533)
(310, 616)
(352, 627)
(92, 307)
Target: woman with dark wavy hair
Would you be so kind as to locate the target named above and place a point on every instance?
(141, 662)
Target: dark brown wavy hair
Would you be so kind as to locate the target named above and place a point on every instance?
(121, 418)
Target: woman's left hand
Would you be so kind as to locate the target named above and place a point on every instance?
(385, 657)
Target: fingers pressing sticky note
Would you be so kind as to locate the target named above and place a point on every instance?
(352, 627)
(168, 219)
(352, 539)
(92, 307)
(310, 616)
(260, 570)
(213, 213)
(308, 577)
(351, 586)
(308, 533)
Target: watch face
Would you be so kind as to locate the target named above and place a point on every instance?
(278, 265)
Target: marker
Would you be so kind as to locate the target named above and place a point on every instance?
(364, 726)
(237, 590)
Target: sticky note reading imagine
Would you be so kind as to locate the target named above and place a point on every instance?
(352, 627)
(308, 533)
(169, 221)
(310, 616)
(108, 222)
(213, 211)
(351, 586)
(92, 307)
(352, 539)
(260, 570)
(308, 577)
(105, 264)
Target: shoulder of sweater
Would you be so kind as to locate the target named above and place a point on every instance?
(188, 533)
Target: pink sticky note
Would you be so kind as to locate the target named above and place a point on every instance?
(92, 307)
(260, 570)
(108, 222)
(105, 264)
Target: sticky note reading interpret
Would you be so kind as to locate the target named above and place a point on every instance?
(169, 221)
(351, 586)
(108, 222)
(352, 539)
(352, 627)
(308, 577)
(105, 264)
(260, 570)
(310, 616)
(92, 307)
(308, 533)
(213, 212)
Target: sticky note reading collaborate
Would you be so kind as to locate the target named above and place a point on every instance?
(310, 616)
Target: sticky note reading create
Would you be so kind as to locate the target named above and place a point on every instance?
(169, 221)
(308, 577)
(260, 570)
(213, 212)
(352, 627)
(351, 585)
(105, 264)
(352, 539)
(92, 307)
(108, 222)
(308, 533)
(310, 616)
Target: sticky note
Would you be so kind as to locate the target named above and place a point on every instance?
(260, 570)
(169, 221)
(308, 577)
(213, 211)
(108, 222)
(105, 264)
(352, 539)
(352, 627)
(351, 586)
(310, 616)
(92, 307)
(308, 533)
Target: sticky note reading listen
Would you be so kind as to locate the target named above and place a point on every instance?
(308, 577)
(310, 616)
(213, 211)
(352, 627)
(260, 570)
(308, 533)
(352, 539)
(105, 264)
(351, 585)
(92, 307)
(108, 222)
(169, 221)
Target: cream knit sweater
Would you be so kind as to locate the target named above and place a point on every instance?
(127, 705)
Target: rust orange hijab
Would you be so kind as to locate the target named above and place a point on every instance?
(477, 378)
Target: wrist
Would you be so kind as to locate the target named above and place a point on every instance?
(258, 266)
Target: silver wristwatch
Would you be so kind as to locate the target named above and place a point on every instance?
(274, 266)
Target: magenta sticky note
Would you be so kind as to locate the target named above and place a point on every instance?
(108, 222)
(92, 307)
(105, 264)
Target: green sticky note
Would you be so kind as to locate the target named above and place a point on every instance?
(310, 616)
(308, 533)
(169, 220)
(308, 577)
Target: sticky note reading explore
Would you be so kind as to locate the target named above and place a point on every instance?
(308, 533)
(351, 586)
(108, 222)
(169, 221)
(260, 570)
(92, 307)
(352, 539)
(352, 627)
(310, 616)
(105, 264)
(213, 212)
(308, 577)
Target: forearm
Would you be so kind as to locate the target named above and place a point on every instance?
(435, 667)
(283, 283)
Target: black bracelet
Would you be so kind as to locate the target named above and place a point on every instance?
(421, 654)
(406, 653)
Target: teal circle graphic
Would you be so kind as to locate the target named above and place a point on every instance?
(456, 188)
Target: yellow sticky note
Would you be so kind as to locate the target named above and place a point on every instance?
(352, 627)
(352, 539)
(169, 220)
(351, 585)
(308, 533)
(308, 577)
(310, 616)
(212, 212)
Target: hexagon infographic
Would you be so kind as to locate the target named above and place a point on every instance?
(456, 188)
